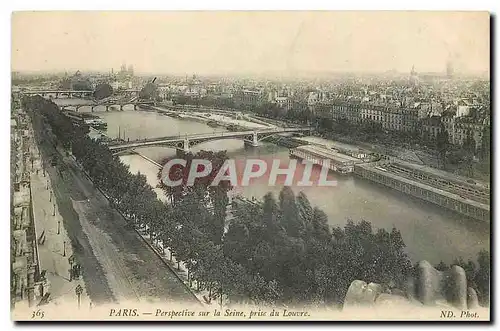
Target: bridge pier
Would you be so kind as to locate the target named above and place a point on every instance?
(254, 142)
(185, 145)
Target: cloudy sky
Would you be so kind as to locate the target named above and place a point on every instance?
(250, 42)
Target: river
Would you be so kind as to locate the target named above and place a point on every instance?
(430, 232)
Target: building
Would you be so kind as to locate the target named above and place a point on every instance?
(449, 69)
(283, 102)
(121, 85)
(431, 127)
(414, 80)
(391, 117)
(249, 97)
(459, 128)
(126, 72)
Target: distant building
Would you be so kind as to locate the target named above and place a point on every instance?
(431, 126)
(413, 77)
(249, 97)
(391, 117)
(282, 99)
(459, 128)
(126, 72)
(449, 69)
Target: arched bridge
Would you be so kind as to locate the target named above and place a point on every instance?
(58, 93)
(109, 104)
(184, 143)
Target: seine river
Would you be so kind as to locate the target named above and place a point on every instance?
(430, 232)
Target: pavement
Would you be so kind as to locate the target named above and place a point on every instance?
(117, 264)
(55, 250)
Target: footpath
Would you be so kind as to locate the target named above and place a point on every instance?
(54, 246)
(177, 267)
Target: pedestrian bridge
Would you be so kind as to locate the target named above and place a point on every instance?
(185, 142)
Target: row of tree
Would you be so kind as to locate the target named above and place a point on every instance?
(278, 251)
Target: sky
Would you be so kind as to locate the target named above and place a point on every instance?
(251, 42)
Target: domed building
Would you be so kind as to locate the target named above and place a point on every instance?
(77, 82)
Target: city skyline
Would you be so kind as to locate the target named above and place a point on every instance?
(251, 42)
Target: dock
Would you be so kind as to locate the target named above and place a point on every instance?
(437, 187)
(338, 162)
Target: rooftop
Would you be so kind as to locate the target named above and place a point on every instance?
(327, 153)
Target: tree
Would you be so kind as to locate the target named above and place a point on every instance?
(270, 214)
(485, 150)
(442, 145)
(469, 147)
(103, 91)
(482, 277)
(289, 216)
(305, 212)
(320, 228)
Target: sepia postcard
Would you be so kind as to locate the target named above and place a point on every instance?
(250, 166)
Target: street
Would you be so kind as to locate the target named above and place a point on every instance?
(117, 265)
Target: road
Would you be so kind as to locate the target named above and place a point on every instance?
(117, 264)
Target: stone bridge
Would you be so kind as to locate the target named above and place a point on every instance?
(107, 105)
(59, 93)
(184, 143)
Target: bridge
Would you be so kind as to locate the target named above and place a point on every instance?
(184, 143)
(75, 93)
(136, 103)
(57, 93)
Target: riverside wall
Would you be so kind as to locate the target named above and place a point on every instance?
(455, 202)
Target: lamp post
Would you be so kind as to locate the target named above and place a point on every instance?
(64, 248)
(58, 227)
(79, 291)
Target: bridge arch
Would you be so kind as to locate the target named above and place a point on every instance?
(136, 150)
(195, 142)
